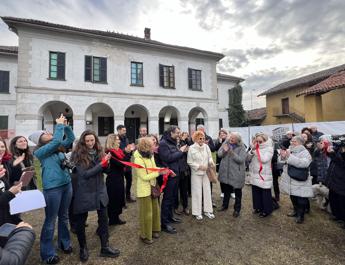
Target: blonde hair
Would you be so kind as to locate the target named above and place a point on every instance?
(262, 135)
(145, 144)
(197, 135)
(110, 142)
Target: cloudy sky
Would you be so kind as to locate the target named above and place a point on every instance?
(265, 41)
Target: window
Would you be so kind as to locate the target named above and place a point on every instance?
(4, 81)
(166, 76)
(137, 74)
(194, 79)
(105, 126)
(57, 65)
(95, 69)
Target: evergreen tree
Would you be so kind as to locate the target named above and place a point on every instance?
(236, 112)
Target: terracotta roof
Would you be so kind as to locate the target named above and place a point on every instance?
(9, 50)
(307, 80)
(256, 114)
(13, 22)
(333, 82)
(229, 77)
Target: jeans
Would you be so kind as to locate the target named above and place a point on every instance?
(57, 203)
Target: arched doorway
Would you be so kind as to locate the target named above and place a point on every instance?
(99, 117)
(52, 110)
(167, 116)
(136, 116)
(196, 116)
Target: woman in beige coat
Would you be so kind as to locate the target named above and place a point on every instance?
(199, 158)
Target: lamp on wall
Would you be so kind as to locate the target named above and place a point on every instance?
(88, 118)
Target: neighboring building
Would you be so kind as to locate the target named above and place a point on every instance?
(285, 103)
(101, 79)
(255, 117)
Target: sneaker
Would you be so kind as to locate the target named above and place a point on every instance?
(232, 195)
(52, 260)
(210, 215)
(198, 217)
(222, 195)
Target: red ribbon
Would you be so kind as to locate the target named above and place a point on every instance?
(259, 158)
(154, 169)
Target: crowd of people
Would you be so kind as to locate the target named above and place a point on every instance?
(80, 176)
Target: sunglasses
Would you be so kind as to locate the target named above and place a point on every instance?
(259, 142)
(201, 138)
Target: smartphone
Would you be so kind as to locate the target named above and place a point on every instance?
(26, 177)
(6, 229)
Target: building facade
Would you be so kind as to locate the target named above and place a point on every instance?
(287, 102)
(99, 80)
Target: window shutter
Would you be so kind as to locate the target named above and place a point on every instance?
(4, 81)
(190, 78)
(88, 68)
(61, 66)
(172, 76)
(161, 75)
(103, 69)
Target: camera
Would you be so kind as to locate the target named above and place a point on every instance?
(67, 164)
(338, 141)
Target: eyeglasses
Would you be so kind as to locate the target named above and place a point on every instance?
(201, 139)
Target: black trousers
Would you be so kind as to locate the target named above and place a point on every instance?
(183, 188)
(102, 230)
(128, 177)
(262, 199)
(228, 189)
(299, 204)
(71, 216)
(276, 185)
(222, 187)
(168, 201)
(337, 204)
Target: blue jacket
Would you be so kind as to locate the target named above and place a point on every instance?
(170, 155)
(53, 175)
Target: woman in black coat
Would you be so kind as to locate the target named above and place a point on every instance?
(22, 158)
(336, 182)
(115, 178)
(91, 193)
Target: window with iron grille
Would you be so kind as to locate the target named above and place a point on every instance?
(95, 69)
(57, 65)
(166, 76)
(137, 74)
(194, 79)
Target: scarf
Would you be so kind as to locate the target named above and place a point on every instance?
(118, 153)
(145, 154)
(257, 150)
(5, 158)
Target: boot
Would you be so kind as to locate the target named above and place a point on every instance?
(109, 252)
(83, 254)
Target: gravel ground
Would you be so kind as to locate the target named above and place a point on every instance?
(224, 240)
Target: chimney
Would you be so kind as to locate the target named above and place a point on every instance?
(147, 33)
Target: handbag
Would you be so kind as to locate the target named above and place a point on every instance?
(155, 191)
(299, 174)
(211, 173)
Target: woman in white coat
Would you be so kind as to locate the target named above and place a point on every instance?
(199, 158)
(297, 156)
(261, 174)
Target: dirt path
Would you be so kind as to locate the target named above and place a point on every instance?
(224, 240)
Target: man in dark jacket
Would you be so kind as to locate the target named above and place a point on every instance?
(171, 157)
(315, 133)
(121, 130)
(18, 245)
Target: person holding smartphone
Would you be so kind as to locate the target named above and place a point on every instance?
(57, 188)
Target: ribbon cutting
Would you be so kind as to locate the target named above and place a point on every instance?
(165, 176)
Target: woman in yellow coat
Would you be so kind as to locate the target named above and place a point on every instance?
(149, 213)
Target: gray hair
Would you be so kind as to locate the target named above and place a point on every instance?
(200, 126)
(298, 139)
(238, 137)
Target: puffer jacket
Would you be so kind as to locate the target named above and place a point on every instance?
(18, 247)
(199, 156)
(266, 154)
(335, 180)
(232, 166)
(299, 157)
(53, 175)
(144, 178)
(170, 155)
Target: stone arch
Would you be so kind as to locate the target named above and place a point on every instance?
(196, 116)
(99, 117)
(136, 116)
(168, 115)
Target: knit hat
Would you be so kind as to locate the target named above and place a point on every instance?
(35, 137)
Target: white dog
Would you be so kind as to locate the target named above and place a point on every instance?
(321, 197)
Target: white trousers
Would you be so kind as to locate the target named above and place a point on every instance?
(201, 188)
